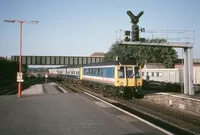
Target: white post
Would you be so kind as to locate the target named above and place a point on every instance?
(190, 67)
(186, 79)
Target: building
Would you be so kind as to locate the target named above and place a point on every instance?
(97, 54)
(154, 66)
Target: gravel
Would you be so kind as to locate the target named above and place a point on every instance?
(35, 89)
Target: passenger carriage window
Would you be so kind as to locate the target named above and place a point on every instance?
(152, 73)
(89, 72)
(98, 71)
(95, 71)
(157, 74)
(108, 72)
(102, 72)
(85, 71)
(111, 72)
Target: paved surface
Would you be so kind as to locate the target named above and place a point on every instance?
(51, 88)
(66, 114)
(35, 89)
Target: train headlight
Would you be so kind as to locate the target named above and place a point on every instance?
(121, 84)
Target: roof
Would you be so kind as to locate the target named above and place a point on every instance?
(97, 54)
(112, 63)
(105, 63)
(154, 65)
(195, 61)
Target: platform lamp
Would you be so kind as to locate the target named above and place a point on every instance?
(20, 56)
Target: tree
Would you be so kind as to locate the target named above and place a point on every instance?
(165, 55)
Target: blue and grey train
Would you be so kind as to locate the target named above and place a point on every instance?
(113, 73)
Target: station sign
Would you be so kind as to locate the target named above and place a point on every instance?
(20, 77)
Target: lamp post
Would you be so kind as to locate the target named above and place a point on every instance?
(20, 56)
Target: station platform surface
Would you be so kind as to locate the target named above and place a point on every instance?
(66, 114)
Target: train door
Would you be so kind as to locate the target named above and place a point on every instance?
(129, 75)
(137, 76)
(120, 76)
(124, 76)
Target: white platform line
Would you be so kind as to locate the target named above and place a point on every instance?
(62, 89)
(151, 124)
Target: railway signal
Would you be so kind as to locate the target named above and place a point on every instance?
(135, 27)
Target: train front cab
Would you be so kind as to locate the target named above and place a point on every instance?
(128, 76)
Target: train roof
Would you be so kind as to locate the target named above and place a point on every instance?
(74, 66)
(105, 63)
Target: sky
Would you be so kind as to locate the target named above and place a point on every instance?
(82, 27)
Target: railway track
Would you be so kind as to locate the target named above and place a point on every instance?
(169, 119)
(12, 89)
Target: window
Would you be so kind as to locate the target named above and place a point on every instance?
(98, 72)
(121, 72)
(102, 72)
(86, 71)
(142, 73)
(137, 72)
(152, 73)
(112, 72)
(90, 71)
(129, 72)
(157, 74)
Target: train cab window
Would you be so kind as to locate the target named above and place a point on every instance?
(129, 72)
(121, 72)
(137, 72)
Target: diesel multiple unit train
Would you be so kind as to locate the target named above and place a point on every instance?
(166, 75)
(114, 73)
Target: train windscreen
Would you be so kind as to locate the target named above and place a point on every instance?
(137, 72)
(129, 72)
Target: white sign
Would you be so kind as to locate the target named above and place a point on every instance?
(46, 75)
(20, 77)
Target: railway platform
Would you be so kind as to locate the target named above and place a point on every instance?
(177, 100)
(67, 113)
